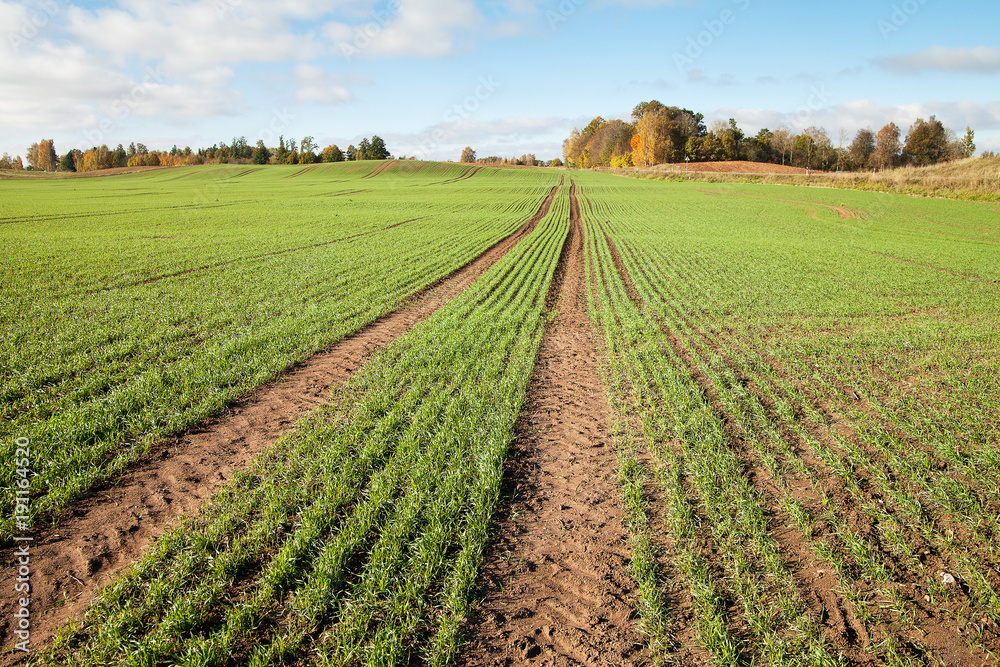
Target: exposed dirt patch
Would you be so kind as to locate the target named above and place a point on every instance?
(99, 536)
(734, 167)
(556, 584)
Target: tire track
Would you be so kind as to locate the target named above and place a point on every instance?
(379, 169)
(102, 534)
(557, 589)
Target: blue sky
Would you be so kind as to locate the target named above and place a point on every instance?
(506, 77)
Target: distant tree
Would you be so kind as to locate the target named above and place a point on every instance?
(307, 151)
(804, 149)
(17, 165)
(822, 147)
(281, 153)
(377, 149)
(862, 149)
(241, 149)
(758, 147)
(783, 144)
(648, 148)
(712, 148)
(841, 153)
(612, 138)
(468, 155)
(732, 141)
(261, 155)
(351, 154)
(7, 162)
(332, 153)
(926, 143)
(887, 147)
(68, 161)
(42, 156)
(119, 158)
(969, 143)
(556, 162)
(643, 108)
(364, 149)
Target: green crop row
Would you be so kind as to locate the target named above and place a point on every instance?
(121, 325)
(751, 425)
(357, 538)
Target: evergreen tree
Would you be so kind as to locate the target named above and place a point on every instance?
(261, 154)
(377, 149)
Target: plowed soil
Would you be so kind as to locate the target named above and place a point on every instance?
(556, 586)
(733, 167)
(99, 536)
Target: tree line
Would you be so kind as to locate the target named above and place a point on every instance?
(526, 160)
(666, 134)
(42, 156)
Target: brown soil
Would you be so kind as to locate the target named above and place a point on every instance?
(556, 588)
(734, 167)
(99, 536)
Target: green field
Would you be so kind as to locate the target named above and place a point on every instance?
(804, 383)
(134, 306)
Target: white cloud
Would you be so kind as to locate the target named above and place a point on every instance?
(317, 85)
(646, 3)
(424, 28)
(981, 59)
(698, 76)
(857, 114)
(67, 88)
(187, 37)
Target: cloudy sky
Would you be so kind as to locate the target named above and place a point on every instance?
(504, 76)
